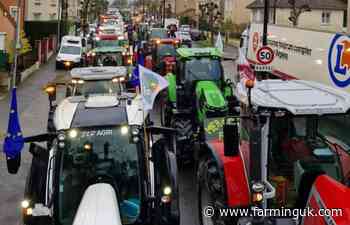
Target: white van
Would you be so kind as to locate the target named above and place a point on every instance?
(71, 51)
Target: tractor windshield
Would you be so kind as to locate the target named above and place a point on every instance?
(203, 69)
(107, 43)
(99, 155)
(336, 128)
(158, 33)
(166, 50)
(300, 144)
(97, 87)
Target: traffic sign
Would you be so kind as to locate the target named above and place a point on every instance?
(265, 55)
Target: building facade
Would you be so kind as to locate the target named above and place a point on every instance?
(237, 11)
(325, 15)
(42, 10)
(73, 10)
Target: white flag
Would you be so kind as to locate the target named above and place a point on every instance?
(219, 44)
(151, 84)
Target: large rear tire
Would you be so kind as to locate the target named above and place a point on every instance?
(211, 194)
(184, 139)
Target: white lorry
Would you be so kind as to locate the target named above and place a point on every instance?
(171, 21)
(303, 54)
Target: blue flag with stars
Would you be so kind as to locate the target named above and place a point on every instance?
(14, 140)
(135, 78)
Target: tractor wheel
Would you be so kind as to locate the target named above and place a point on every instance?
(210, 194)
(184, 139)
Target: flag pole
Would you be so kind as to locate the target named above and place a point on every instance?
(16, 46)
(144, 129)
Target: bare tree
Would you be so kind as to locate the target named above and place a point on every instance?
(297, 11)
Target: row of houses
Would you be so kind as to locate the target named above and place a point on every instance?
(324, 15)
(40, 11)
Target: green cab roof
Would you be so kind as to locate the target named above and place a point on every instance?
(195, 52)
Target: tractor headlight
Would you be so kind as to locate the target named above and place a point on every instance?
(167, 190)
(166, 198)
(124, 130)
(258, 189)
(29, 211)
(25, 203)
(73, 133)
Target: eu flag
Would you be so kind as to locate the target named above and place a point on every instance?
(14, 140)
(135, 78)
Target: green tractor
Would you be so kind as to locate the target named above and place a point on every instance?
(197, 92)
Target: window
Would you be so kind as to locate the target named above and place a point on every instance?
(13, 11)
(326, 18)
(37, 15)
(257, 16)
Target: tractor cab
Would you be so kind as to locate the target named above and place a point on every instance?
(288, 147)
(98, 163)
(98, 80)
(197, 92)
(109, 50)
(304, 122)
(163, 55)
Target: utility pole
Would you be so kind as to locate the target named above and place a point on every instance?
(163, 12)
(266, 21)
(59, 12)
(16, 45)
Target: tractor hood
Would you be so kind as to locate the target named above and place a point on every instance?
(98, 206)
(212, 94)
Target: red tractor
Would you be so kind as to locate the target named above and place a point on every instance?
(288, 149)
(162, 57)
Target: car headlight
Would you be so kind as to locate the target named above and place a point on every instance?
(77, 59)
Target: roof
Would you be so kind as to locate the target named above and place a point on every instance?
(192, 52)
(99, 116)
(313, 4)
(98, 73)
(299, 97)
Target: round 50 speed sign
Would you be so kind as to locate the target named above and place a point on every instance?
(265, 55)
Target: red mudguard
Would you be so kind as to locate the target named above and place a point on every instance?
(328, 194)
(235, 177)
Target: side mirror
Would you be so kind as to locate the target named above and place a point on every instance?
(231, 136)
(13, 164)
